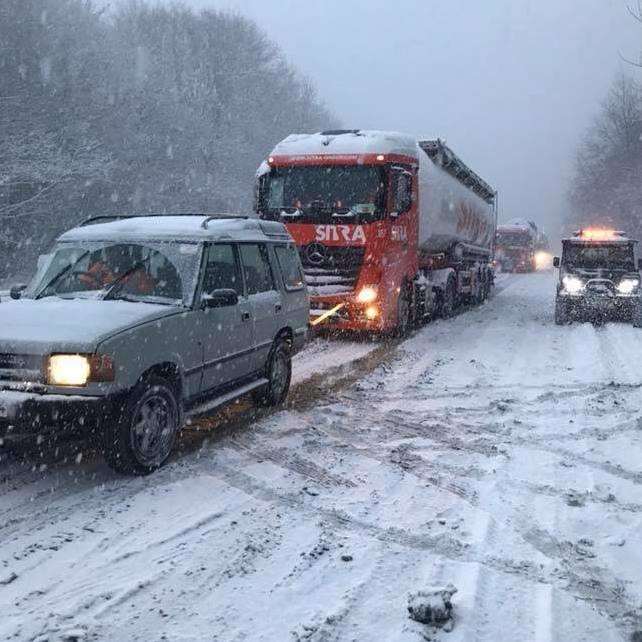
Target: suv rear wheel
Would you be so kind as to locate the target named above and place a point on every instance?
(141, 438)
(278, 373)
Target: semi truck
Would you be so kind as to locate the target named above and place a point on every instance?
(516, 246)
(392, 230)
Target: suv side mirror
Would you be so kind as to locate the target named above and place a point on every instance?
(220, 299)
(16, 291)
(556, 261)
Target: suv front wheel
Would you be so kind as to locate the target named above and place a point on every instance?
(278, 373)
(142, 436)
(562, 312)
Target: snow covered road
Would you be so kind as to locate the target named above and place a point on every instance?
(494, 451)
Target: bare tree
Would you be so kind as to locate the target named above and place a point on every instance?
(150, 107)
(635, 10)
(607, 184)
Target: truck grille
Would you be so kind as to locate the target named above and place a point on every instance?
(331, 270)
(20, 367)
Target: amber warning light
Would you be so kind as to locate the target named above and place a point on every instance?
(599, 234)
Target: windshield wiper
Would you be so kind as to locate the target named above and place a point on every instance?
(59, 276)
(126, 274)
(134, 298)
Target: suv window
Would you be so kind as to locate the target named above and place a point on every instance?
(221, 269)
(290, 265)
(256, 268)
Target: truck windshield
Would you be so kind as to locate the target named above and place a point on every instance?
(349, 193)
(513, 238)
(163, 273)
(599, 256)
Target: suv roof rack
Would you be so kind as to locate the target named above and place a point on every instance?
(92, 220)
(107, 218)
(339, 132)
(224, 216)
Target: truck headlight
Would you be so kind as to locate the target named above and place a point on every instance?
(68, 370)
(572, 284)
(367, 294)
(628, 286)
(76, 370)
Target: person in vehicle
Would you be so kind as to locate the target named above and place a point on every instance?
(119, 262)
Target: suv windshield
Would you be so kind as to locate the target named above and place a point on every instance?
(618, 256)
(163, 273)
(329, 194)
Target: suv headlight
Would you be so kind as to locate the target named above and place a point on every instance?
(68, 370)
(628, 286)
(573, 285)
(76, 370)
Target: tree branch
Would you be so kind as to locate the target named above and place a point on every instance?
(636, 12)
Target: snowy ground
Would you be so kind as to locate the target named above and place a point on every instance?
(494, 451)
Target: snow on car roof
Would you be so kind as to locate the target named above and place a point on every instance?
(185, 228)
(349, 142)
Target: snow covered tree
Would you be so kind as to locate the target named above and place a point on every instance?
(147, 108)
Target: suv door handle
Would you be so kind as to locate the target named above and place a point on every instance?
(245, 316)
(278, 307)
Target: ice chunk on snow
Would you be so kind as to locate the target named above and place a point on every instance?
(432, 606)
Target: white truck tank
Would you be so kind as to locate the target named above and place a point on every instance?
(456, 207)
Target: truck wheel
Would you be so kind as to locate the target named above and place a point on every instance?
(485, 287)
(404, 319)
(637, 316)
(562, 316)
(478, 298)
(448, 300)
(142, 436)
(278, 373)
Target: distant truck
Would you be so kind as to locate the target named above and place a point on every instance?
(391, 229)
(516, 246)
(599, 277)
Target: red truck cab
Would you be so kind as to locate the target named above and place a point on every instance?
(353, 216)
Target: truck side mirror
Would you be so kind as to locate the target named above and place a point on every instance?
(16, 291)
(556, 261)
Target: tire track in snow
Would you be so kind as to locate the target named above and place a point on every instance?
(590, 582)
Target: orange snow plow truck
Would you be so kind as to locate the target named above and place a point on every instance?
(391, 230)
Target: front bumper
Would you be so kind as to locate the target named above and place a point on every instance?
(616, 306)
(344, 314)
(27, 414)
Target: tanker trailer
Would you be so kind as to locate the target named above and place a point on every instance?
(391, 230)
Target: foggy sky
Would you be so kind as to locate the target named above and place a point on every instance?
(510, 84)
